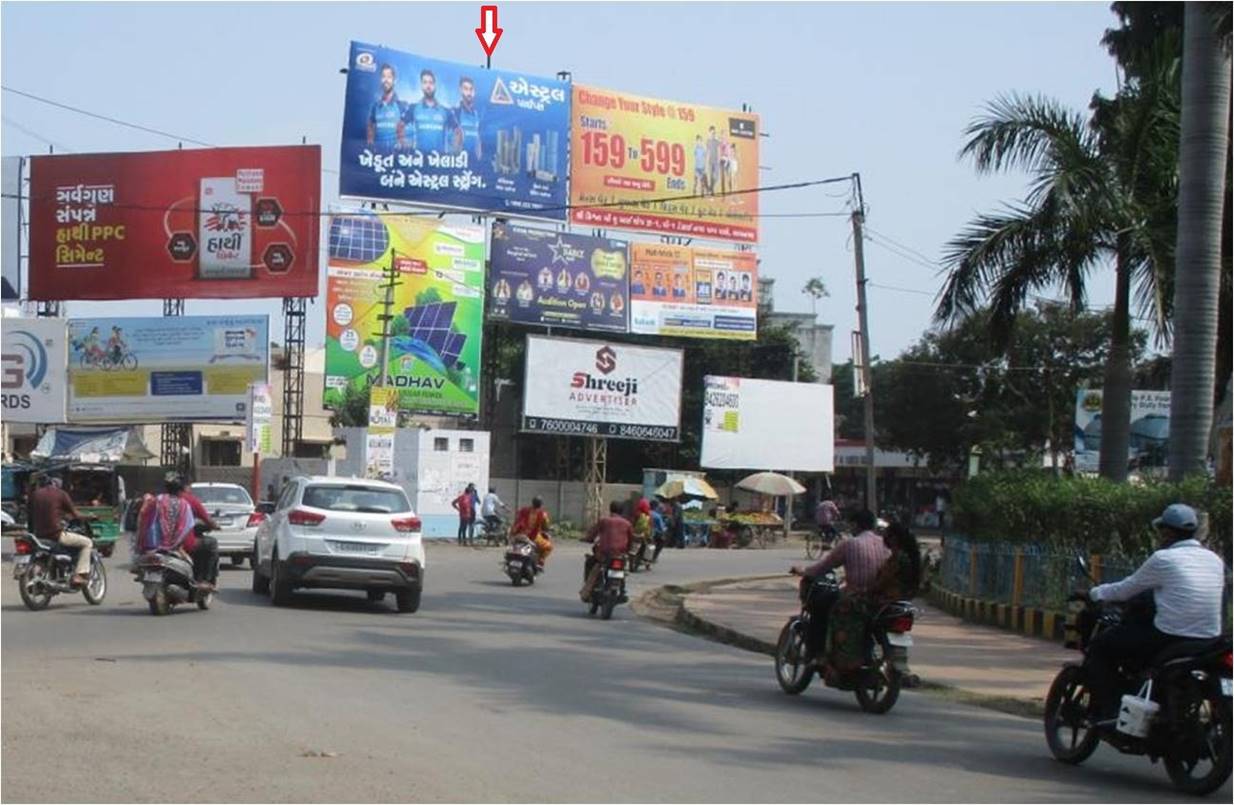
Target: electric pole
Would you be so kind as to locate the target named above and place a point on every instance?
(863, 325)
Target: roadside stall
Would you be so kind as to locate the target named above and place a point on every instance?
(691, 491)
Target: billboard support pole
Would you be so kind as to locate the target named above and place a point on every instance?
(295, 311)
(863, 321)
(177, 437)
(593, 481)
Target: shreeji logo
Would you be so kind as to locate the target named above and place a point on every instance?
(606, 363)
(25, 361)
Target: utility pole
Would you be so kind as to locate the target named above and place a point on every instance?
(389, 275)
(863, 325)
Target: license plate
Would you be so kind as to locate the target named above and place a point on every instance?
(355, 547)
(616, 574)
(152, 577)
(1225, 686)
(899, 639)
(21, 561)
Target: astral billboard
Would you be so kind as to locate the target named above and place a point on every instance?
(425, 131)
(663, 166)
(599, 388)
(173, 369)
(213, 223)
(433, 354)
(33, 379)
(10, 228)
(559, 280)
(699, 293)
(747, 425)
(1150, 429)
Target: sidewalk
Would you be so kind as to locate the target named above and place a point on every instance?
(976, 663)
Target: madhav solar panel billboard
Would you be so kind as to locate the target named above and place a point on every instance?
(432, 132)
(767, 425)
(433, 353)
(209, 223)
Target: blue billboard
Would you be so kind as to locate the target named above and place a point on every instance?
(559, 280)
(425, 131)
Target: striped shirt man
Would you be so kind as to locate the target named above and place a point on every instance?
(861, 557)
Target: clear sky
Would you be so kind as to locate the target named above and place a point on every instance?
(884, 89)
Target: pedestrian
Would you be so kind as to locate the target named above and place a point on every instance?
(679, 524)
(465, 505)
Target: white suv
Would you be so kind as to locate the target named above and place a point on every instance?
(343, 533)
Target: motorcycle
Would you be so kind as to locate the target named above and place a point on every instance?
(1181, 714)
(883, 672)
(43, 570)
(495, 534)
(641, 555)
(521, 563)
(610, 589)
(167, 580)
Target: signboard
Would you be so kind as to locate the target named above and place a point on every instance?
(10, 228)
(699, 293)
(438, 133)
(235, 223)
(559, 280)
(433, 354)
(260, 416)
(379, 437)
(745, 426)
(663, 166)
(600, 388)
(34, 360)
(1150, 429)
(174, 369)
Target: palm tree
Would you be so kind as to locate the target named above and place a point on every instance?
(1203, 151)
(816, 289)
(1101, 190)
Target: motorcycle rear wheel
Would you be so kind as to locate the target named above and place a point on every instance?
(1067, 709)
(1212, 716)
(793, 672)
(606, 609)
(878, 688)
(96, 586)
(35, 574)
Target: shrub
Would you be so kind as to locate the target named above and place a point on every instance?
(1093, 513)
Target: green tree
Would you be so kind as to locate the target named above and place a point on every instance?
(1101, 190)
(1203, 164)
(816, 289)
(352, 412)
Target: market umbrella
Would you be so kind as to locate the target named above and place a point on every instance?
(771, 483)
(686, 488)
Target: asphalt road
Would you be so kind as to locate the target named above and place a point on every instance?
(489, 693)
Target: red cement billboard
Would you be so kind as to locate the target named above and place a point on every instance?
(218, 223)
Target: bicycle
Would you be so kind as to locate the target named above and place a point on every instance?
(819, 540)
(495, 535)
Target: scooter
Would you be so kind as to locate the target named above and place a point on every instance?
(167, 580)
(44, 570)
(521, 563)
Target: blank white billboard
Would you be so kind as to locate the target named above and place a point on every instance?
(768, 425)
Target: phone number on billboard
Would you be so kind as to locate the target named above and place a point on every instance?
(573, 427)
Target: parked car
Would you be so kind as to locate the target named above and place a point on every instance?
(237, 517)
(341, 533)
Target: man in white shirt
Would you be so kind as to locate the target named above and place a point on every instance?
(1187, 582)
(489, 508)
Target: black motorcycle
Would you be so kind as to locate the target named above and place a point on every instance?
(610, 589)
(1181, 713)
(885, 667)
(167, 579)
(521, 563)
(43, 570)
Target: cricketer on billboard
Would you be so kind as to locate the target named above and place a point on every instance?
(177, 369)
(663, 166)
(433, 353)
(557, 279)
(211, 223)
(439, 133)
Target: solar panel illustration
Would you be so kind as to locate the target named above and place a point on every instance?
(358, 238)
(431, 324)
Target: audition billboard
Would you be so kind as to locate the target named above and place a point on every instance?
(425, 131)
(214, 223)
(578, 387)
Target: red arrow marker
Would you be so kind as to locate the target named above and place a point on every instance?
(488, 32)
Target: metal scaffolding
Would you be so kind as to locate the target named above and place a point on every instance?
(176, 438)
(294, 315)
(593, 479)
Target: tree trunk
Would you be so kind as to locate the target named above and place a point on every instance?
(1197, 274)
(1116, 396)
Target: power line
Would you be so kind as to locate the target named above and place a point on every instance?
(31, 133)
(909, 249)
(107, 118)
(901, 289)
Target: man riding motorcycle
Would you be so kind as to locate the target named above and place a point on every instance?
(612, 536)
(1186, 580)
(50, 506)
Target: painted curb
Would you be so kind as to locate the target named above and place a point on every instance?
(1046, 624)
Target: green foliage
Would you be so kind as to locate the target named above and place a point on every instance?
(399, 326)
(427, 297)
(353, 412)
(1096, 514)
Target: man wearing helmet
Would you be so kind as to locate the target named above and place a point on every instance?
(1186, 581)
